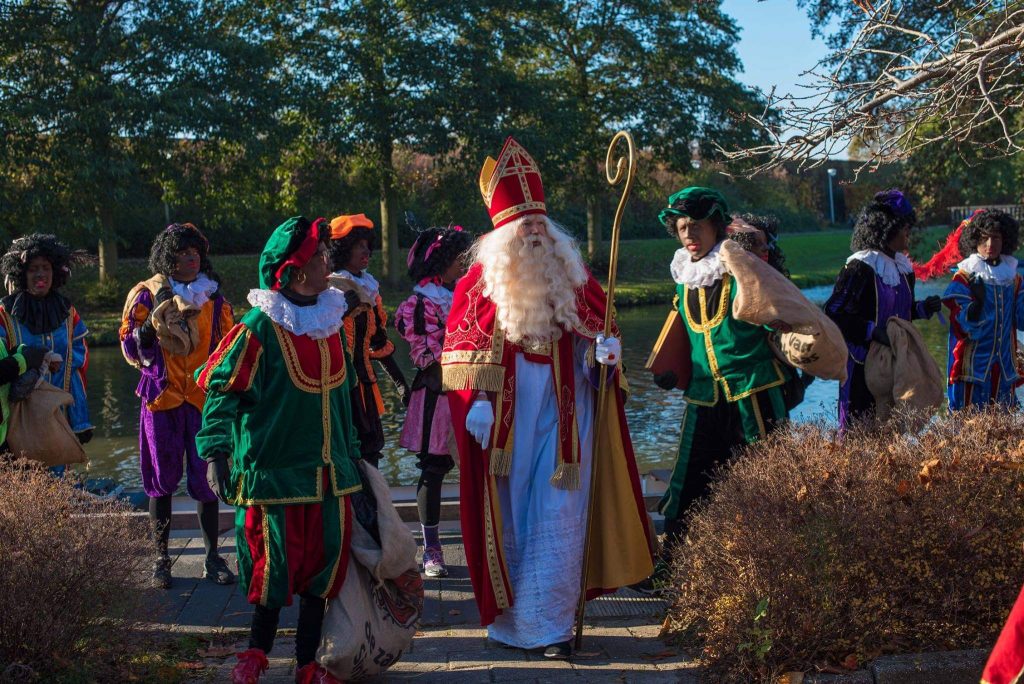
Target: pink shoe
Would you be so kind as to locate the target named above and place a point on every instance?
(251, 664)
(312, 673)
(433, 562)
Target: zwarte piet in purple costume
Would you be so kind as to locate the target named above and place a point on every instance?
(184, 295)
(876, 284)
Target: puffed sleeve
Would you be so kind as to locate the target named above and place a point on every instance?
(230, 378)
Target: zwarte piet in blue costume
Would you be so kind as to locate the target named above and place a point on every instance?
(986, 309)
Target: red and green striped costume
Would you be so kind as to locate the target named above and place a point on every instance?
(279, 404)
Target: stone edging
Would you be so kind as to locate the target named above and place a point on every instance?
(943, 667)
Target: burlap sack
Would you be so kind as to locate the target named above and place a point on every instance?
(344, 283)
(173, 320)
(38, 429)
(903, 375)
(764, 296)
(176, 327)
(372, 621)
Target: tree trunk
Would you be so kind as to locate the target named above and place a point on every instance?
(390, 257)
(107, 245)
(593, 225)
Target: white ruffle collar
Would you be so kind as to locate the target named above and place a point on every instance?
(318, 321)
(438, 294)
(196, 293)
(1003, 274)
(887, 268)
(364, 284)
(702, 273)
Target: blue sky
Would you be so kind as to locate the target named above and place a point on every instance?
(775, 43)
(776, 46)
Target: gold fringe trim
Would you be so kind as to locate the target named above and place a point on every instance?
(591, 357)
(462, 376)
(567, 476)
(501, 462)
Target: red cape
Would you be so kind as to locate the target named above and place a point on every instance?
(476, 358)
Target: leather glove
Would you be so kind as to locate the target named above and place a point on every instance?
(218, 475)
(667, 380)
(608, 350)
(880, 335)
(162, 295)
(975, 308)
(351, 302)
(479, 421)
(932, 305)
(147, 333)
(85, 436)
(34, 356)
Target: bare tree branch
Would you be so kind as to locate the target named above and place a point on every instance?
(964, 85)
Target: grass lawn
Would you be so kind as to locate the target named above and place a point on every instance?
(813, 259)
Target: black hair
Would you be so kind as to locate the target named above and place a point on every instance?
(175, 238)
(716, 220)
(989, 222)
(877, 224)
(14, 264)
(341, 250)
(769, 225)
(454, 244)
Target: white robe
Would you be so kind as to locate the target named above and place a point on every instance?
(543, 526)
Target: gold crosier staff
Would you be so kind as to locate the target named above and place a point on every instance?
(627, 171)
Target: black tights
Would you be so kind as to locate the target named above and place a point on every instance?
(675, 531)
(160, 519)
(307, 636)
(428, 497)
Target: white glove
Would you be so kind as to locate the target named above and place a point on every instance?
(480, 420)
(608, 350)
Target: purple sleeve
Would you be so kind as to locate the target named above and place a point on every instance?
(136, 352)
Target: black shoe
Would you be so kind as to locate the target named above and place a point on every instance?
(656, 583)
(216, 570)
(559, 651)
(161, 573)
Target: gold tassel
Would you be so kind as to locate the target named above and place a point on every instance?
(591, 357)
(501, 462)
(567, 476)
(478, 376)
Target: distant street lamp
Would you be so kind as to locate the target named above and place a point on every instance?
(694, 153)
(831, 204)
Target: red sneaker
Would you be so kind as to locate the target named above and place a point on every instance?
(312, 673)
(251, 664)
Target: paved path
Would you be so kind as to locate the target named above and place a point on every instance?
(621, 642)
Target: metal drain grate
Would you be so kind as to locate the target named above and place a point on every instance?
(625, 603)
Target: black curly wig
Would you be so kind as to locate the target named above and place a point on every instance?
(990, 222)
(454, 242)
(341, 250)
(175, 238)
(14, 264)
(878, 223)
(769, 225)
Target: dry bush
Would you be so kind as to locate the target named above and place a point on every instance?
(813, 553)
(71, 576)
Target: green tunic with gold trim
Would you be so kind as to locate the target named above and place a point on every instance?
(279, 404)
(735, 393)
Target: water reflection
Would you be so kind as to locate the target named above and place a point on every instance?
(653, 414)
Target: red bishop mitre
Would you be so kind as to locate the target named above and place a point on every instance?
(511, 186)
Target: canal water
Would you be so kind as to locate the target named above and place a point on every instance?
(653, 414)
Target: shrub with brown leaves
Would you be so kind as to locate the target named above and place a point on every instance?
(818, 553)
(71, 578)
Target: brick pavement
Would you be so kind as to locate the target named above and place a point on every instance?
(621, 641)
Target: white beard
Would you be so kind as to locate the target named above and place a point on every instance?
(532, 281)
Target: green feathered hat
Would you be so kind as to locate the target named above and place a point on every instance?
(290, 246)
(696, 203)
